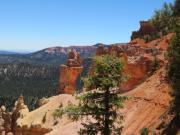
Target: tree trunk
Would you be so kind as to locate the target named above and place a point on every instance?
(106, 120)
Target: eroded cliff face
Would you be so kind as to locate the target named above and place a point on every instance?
(69, 73)
(137, 62)
(138, 58)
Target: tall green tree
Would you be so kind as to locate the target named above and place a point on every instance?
(174, 68)
(101, 104)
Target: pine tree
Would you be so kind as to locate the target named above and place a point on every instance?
(163, 19)
(177, 8)
(103, 103)
(174, 68)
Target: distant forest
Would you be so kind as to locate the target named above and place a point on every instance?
(31, 80)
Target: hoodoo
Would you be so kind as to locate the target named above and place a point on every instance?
(69, 73)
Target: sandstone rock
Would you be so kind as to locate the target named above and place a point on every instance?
(33, 124)
(19, 112)
(5, 121)
(10, 133)
(74, 59)
(2, 129)
(100, 50)
(138, 57)
(68, 79)
(146, 28)
(137, 65)
(42, 102)
(69, 73)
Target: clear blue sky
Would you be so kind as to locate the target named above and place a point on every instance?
(37, 24)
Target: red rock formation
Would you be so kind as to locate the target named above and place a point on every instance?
(136, 70)
(146, 28)
(138, 58)
(69, 73)
(100, 50)
(74, 59)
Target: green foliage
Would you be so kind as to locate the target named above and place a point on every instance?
(177, 8)
(163, 19)
(174, 69)
(86, 68)
(103, 103)
(32, 81)
(58, 112)
(144, 131)
(156, 63)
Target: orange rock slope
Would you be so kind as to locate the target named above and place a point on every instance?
(147, 104)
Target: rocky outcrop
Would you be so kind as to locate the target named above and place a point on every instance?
(146, 28)
(138, 58)
(8, 120)
(74, 59)
(42, 102)
(19, 112)
(5, 121)
(136, 63)
(69, 73)
(41, 120)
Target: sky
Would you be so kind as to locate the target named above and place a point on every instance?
(37, 24)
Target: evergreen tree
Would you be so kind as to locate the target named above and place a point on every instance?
(103, 103)
(163, 19)
(177, 8)
(174, 68)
